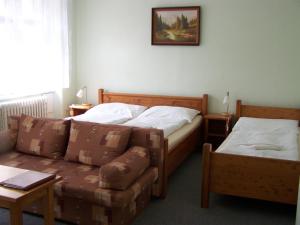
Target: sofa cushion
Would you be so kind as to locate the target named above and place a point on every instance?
(41, 136)
(96, 144)
(26, 161)
(120, 173)
(80, 181)
(13, 123)
(8, 140)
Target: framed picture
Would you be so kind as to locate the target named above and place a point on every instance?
(176, 26)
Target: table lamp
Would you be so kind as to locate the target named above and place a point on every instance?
(226, 103)
(82, 93)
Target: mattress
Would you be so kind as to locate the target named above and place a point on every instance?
(176, 137)
(288, 155)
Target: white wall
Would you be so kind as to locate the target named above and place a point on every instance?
(249, 47)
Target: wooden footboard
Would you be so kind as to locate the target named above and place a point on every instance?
(246, 176)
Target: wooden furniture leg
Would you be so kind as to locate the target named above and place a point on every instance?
(16, 214)
(49, 207)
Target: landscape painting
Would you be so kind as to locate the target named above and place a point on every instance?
(176, 26)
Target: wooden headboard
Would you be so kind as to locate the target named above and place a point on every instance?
(199, 103)
(266, 112)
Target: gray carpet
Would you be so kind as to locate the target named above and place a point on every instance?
(182, 206)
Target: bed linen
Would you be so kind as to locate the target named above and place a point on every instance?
(166, 118)
(101, 118)
(179, 135)
(176, 122)
(265, 125)
(111, 113)
(279, 146)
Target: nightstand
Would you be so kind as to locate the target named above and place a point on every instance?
(217, 128)
(77, 109)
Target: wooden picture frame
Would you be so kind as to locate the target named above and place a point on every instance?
(176, 26)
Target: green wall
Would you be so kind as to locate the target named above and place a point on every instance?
(249, 47)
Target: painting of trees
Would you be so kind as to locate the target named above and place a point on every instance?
(160, 25)
(176, 25)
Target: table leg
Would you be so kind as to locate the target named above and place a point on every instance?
(16, 215)
(49, 207)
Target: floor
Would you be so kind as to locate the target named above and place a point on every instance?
(182, 206)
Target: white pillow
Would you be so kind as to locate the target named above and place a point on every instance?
(122, 109)
(179, 113)
(266, 125)
(168, 125)
(102, 118)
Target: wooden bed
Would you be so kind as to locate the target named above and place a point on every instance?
(183, 149)
(247, 176)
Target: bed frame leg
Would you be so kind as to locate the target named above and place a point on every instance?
(207, 149)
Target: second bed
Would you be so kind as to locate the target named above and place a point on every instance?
(266, 168)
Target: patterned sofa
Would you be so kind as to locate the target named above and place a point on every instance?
(113, 193)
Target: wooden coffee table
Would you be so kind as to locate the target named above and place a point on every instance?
(16, 200)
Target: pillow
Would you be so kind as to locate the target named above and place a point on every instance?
(265, 125)
(120, 173)
(13, 123)
(8, 139)
(126, 110)
(96, 144)
(101, 118)
(42, 136)
(180, 113)
(167, 124)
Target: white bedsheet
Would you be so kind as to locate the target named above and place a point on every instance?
(179, 135)
(277, 144)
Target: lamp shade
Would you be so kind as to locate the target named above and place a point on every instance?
(82, 94)
(79, 94)
(226, 99)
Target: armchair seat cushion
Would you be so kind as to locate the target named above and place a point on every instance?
(120, 173)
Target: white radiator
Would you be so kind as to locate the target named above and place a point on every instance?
(34, 106)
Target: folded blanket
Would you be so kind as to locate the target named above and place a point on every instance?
(265, 140)
(265, 147)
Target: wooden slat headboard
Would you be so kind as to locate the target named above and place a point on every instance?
(199, 103)
(266, 112)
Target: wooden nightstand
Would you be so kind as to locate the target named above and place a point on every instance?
(77, 109)
(217, 128)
